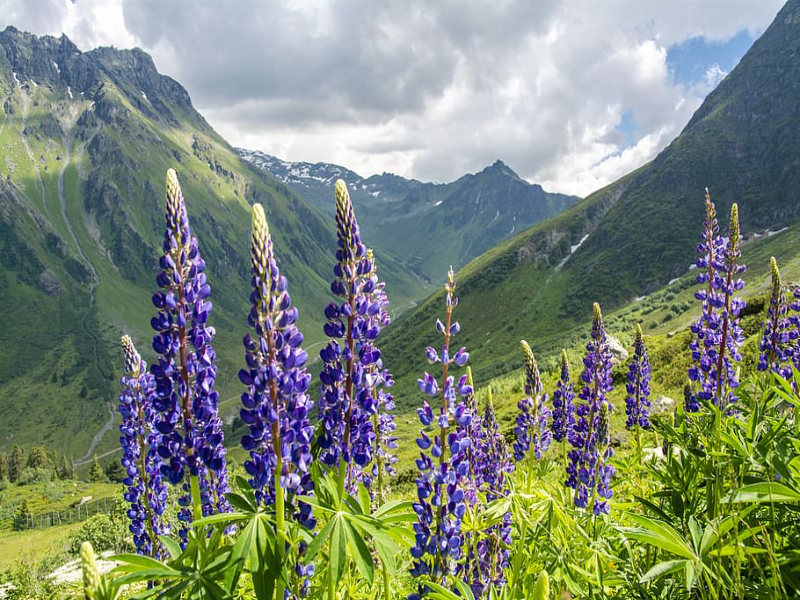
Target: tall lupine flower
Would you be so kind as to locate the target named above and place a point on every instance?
(718, 333)
(146, 491)
(775, 350)
(563, 409)
(490, 466)
(638, 386)
(531, 430)
(191, 442)
(589, 472)
(346, 404)
(379, 380)
(443, 464)
(276, 403)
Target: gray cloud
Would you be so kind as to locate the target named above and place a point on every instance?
(424, 89)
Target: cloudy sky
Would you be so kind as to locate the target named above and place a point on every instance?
(571, 94)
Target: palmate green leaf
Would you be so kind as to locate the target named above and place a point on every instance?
(143, 568)
(231, 517)
(360, 552)
(317, 503)
(172, 546)
(440, 592)
(264, 561)
(240, 502)
(663, 568)
(392, 507)
(163, 591)
(764, 492)
(690, 574)
(338, 550)
(363, 499)
(316, 545)
(382, 539)
(241, 550)
(659, 534)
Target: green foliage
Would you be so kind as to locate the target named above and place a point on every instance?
(31, 475)
(38, 458)
(96, 473)
(15, 463)
(115, 472)
(103, 532)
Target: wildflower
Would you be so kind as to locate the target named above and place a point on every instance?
(718, 333)
(378, 382)
(191, 430)
(146, 490)
(346, 404)
(490, 466)
(563, 409)
(276, 403)
(638, 386)
(775, 350)
(531, 429)
(443, 465)
(589, 472)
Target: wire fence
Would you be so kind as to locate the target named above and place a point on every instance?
(64, 517)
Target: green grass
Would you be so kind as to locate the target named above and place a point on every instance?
(34, 545)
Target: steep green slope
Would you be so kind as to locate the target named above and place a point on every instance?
(665, 316)
(86, 139)
(426, 226)
(634, 236)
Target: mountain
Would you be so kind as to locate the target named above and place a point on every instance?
(428, 226)
(86, 140)
(636, 235)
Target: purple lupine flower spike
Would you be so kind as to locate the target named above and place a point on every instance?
(490, 466)
(185, 398)
(531, 430)
(443, 466)
(378, 380)
(276, 403)
(563, 409)
(146, 490)
(638, 386)
(775, 350)
(589, 472)
(718, 332)
(346, 404)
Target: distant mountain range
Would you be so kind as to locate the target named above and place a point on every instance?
(639, 233)
(428, 226)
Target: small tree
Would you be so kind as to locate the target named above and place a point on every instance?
(115, 471)
(16, 462)
(67, 470)
(96, 472)
(3, 466)
(23, 514)
(38, 459)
